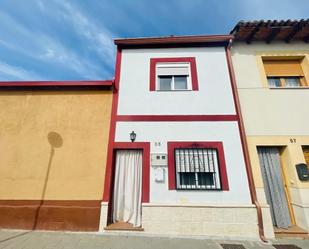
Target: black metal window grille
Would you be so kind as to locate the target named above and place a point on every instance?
(197, 168)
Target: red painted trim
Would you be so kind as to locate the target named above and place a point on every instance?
(194, 74)
(108, 188)
(175, 118)
(171, 160)
(109, 160)
(244, 142)
(154, 61)
(56, 83)
(197, 39)
(145, 146)
(240, 123)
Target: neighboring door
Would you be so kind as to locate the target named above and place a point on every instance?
(274, 186)
(306, 154)
(127, 196)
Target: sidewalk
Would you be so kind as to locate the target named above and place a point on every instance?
(10, 239)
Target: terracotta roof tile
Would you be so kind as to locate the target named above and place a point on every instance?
(271, 30)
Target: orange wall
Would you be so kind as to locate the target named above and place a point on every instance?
(29, 123)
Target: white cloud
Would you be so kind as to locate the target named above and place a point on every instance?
(49, 53)
(16, 73)
(41, 5)
(100, 38)
(56, 53)
(43, 47)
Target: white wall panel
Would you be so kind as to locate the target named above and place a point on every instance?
(214, 95)
(159, 133)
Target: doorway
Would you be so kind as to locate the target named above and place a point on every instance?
(127, 190)
(275, 186)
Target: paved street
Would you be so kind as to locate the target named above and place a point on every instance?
(58, 240)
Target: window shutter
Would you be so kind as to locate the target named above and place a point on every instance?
(173, 69)
(283, 68)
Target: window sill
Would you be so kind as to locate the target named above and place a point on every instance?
(197, 189)
(290, 88)
(189, 90)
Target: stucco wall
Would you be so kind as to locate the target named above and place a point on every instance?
(159, 133)
(291, 155)
(213, 97)
(274, 117)
(270, 111)
(76, 167)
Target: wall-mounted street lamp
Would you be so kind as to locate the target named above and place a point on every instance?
(132, 136)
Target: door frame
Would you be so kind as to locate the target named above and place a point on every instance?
(145, 147)
(285, 179)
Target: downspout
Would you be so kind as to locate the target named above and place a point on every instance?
(245, 144)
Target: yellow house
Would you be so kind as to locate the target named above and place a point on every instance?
(271, 65)
(53, 143)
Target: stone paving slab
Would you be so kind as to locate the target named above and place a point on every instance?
(12, 239)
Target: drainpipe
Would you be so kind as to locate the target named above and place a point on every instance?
(245, 144)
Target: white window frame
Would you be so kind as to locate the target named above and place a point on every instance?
(174, 65)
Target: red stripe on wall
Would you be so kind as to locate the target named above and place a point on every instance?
(109, 160)
(56, 83)
(244, 144)
(165, 118)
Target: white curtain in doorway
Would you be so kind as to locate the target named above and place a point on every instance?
(274, 187)
(128, 187)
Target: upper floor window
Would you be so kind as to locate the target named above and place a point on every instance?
(173, 74)
(284, 72)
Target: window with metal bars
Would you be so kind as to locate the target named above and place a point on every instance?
(197, 168)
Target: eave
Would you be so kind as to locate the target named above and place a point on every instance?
(174, 41)
(271, 30)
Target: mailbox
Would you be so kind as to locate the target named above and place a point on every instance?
(302, 171)
(159, 165)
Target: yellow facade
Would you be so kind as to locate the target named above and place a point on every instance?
(291, 154)
(275, 117)
(53, 144)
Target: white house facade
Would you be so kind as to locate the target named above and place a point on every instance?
(176, 163)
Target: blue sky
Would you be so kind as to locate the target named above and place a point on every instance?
(73, 39)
